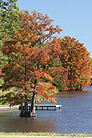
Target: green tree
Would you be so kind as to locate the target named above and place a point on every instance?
(9, 19)
(9, 23)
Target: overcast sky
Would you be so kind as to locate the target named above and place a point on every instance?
(73, 16)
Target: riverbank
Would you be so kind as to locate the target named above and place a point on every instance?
(43, 135)
(7, 107)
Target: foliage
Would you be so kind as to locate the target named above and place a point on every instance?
(1, 74)
(9, 19)
(91, 67)
(76, 59)
(60, 74)
(30, 55)
(3, 60)
(9, 23)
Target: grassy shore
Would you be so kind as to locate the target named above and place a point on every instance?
(43, 135)
(4, 105)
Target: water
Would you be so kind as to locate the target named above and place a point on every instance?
(74, 117)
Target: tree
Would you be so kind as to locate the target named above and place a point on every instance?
(91, 67)
(60, 76)
(30, 55)
(9, 19)
(76, 59)
(9, 23)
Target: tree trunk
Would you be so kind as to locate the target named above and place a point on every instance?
(32, 112)
(25, 112)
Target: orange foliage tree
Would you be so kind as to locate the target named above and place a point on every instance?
(30, 54)
(60, 76)
(91, 67)
(76, 59)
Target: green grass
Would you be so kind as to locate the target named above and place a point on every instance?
(46, 134)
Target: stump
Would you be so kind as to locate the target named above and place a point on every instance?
(26, 111)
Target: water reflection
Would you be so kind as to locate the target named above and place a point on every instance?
(10, 122)
(73, 94)
(75, 116)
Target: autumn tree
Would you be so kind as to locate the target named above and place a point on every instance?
(91, 67)
(60, 76)
(76, 59)
(30, 53)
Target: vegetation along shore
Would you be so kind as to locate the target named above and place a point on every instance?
(43, 135)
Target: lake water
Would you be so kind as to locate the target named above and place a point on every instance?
(74, 117)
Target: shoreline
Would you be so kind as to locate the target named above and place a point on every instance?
(44, 135)
(8, 107)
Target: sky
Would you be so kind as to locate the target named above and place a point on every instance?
(73, 16)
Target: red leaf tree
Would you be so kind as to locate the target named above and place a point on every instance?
(1, 74)
(30, 54)
(60, 74)
(77, 60)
